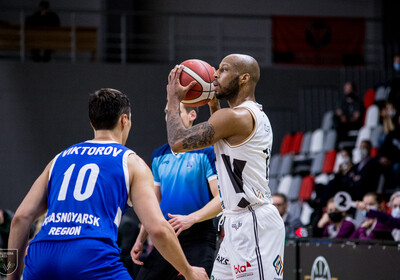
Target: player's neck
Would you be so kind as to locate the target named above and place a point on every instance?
(239, 99)
(106, 135)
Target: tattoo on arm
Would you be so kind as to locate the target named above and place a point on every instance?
(199, 136)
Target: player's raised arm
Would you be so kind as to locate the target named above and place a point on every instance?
(224, 123)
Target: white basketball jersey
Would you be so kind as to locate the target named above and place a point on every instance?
(243, 168)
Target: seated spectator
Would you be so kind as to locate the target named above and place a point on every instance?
(292, 224)
(387, 116)
(372, 228)
(43, 17)
(366, 174)
(389, 157)
(341, 180)
(392, 221)
(334, 223)
(349, 114)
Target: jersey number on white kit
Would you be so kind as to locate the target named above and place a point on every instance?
(91, 182)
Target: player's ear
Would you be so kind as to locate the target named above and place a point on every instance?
(192, 115)
(244, 78)
(124, 119)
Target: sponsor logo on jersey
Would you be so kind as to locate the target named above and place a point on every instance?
(189, 164)
(241, 270)
(258, 193)
(278, 265)
(237, 226)
(8, 261)
(222, 260)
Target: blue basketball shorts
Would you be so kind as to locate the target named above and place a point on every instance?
(73, 259)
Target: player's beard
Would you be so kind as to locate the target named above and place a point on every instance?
(230, 91)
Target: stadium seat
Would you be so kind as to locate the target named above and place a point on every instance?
(286, 165)
(284, 184)
(330, 140)
(287, 144)
(306, 188)
(372, 116)
(327, 121)
(382, 93)
(376, 132)
(273, 185)
(274, 165)
(321, 179)
(317, 141)
(317, 163)
(306, 212)
(294, 209)
(305, 143)
(369, 98)
(363, 134)
(297, 140)
(294, 189)
(329, 162)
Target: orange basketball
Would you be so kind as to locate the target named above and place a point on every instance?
(203, 73)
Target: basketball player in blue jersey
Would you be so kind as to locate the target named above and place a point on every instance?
(187, 188)
(85, 190)
(242, 137)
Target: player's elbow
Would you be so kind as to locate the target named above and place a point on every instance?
(159, 231)
(20, 220)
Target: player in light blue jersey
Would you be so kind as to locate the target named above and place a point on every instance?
(85, 190)
(187, 188)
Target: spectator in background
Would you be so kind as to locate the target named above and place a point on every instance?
(334, 223)
(293, 226)
(394, 95)
(392, 220)
(364, 175)
(5, 223)
(388, 115)
(372, 228)
(41, 18)
(349, 114)
(341, 181)
(389, 158)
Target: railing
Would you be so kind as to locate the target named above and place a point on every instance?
(126, 37)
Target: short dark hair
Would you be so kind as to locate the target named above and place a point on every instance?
(106, 105)
(378, 197)
(282, 196)
(190, 108)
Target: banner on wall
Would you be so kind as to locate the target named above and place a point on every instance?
(325, 41)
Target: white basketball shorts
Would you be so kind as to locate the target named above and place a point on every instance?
(253, 245)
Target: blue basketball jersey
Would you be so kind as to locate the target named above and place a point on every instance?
(183, 179)
(87, 192)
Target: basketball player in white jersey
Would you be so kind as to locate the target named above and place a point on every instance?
(242, 137)
(85, 189)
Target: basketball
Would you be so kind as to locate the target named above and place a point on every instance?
(203, 73)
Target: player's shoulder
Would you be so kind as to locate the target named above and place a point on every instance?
(163, 150)
(207, 152)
